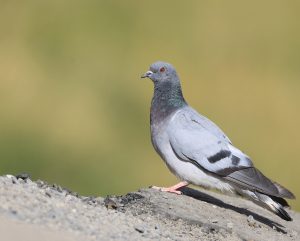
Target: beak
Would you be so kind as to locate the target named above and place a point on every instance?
(147, 74)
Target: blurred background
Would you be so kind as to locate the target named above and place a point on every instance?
(74, 111)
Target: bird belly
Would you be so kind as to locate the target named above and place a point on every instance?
(187, 171)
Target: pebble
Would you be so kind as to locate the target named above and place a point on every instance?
(140, 228)
(23, 176)
(230, 225)
(110, 203)
(251, 221)
(293, 234)
(12, 178)
(47, 194)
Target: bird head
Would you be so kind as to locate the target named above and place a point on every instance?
(161, 72)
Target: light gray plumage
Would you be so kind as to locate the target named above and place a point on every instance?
(197, 151)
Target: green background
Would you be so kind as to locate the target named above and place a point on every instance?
(74, 111)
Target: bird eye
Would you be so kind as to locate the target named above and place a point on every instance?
(162, 69)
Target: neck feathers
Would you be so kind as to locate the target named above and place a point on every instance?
(167, 99)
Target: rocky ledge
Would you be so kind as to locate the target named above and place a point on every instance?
(38, 211)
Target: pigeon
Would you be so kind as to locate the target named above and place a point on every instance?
(198, 152)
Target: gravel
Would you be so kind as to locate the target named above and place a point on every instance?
(38, 210)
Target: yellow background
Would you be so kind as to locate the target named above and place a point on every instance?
(74, 111)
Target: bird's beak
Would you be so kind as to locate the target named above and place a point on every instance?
(147, 74)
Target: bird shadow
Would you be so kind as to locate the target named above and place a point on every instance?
(210, 199)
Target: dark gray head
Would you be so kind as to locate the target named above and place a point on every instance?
(161, 72)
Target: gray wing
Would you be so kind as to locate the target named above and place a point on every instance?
(253, 179)
(207, 124)
(196, 139)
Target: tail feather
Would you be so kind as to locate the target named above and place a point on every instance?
(283, 214)
(280, 200)
(273, 204)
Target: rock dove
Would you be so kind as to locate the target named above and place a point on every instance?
(198, 152)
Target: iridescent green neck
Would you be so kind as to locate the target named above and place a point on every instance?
(167, 99)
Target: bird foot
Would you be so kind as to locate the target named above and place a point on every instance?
(172, 189)
(167, 189)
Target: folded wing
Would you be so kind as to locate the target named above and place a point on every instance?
(198, 140)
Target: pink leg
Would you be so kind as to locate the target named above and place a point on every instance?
(172, 189)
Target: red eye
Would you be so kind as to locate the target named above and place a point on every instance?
(162, 69)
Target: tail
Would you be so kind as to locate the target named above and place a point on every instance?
(251, 183)
(272, 203)
(275, 205)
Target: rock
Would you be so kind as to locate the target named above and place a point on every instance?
(110, 203)
(143, 215)
(140, 229)
(23, 176)
(251, 221)
(230, 225)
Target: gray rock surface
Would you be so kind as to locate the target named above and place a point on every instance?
(38, 211)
